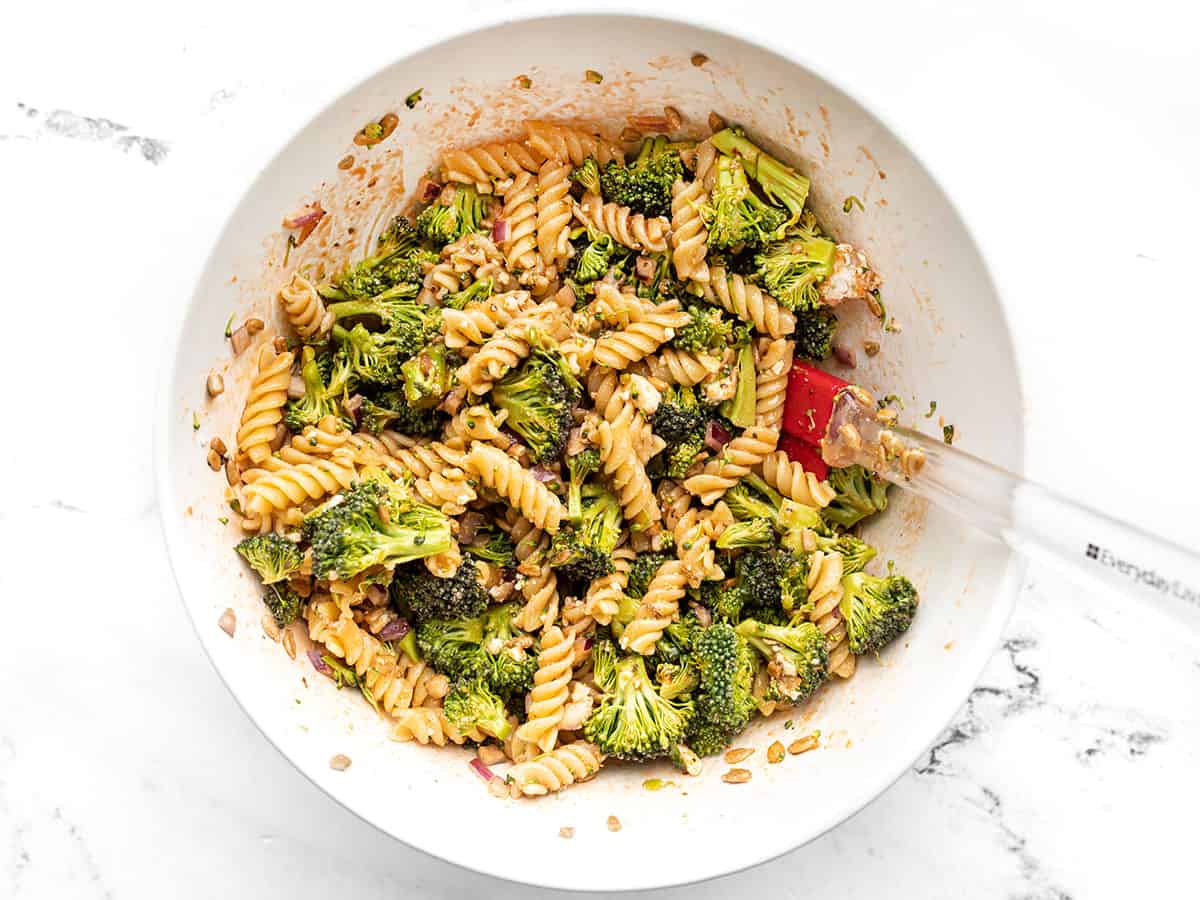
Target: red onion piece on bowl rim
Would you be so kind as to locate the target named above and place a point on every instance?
(395, 630)
(481, 769)
(314, 657)
(428, 189)
(715, 436)
(308, 215)
(500, 230)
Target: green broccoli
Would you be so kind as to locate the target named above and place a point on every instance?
(767, 574)
(480, 647)
(752, 534)
(792, 269)
(318, 400)
(452, 646)
(272, 556)
(708, 330)
(724, 699)
(677, 679)
(815, 330)
(284, 604)
(739, 409)
(390, 409)
(538, 398)
(877, 610)
(472, 705)
(859, 494)
(371, 357)
(592, 261)
(425, 596)
(428, 376)
(584, 552)
(396, 268)
(661, 285)
(724, 599)
(645, 184)
(579, 467)
(587, 175)
(478, 292)
(633, 721)
(681, 456)
(855, 552)
(781, 183)
(457, 212)
(494, 546)
(736, 216)
(349, 535)
(679, 415)
(408, 326)
(642, 572)
(797, 657)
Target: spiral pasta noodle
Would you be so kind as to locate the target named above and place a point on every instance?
(689, 234)
(556, 770)
(476, 322)
(790, 479)
(824, 595)
(682, 367)
(618, 349)
(623, 225)
(539, 584)
(304, 308)
(429, 725)
(521, 213)
(627, 476)
(567, 143)
(549, 695)
(613, 399)
(322, 439)
(264, 403)
(658, 609)
(294, 484)
(695, 549)
(511, 481)
(740, 455)
(604, 595)
(553, 212)
(773, 362)
(505, 350)
(480, 164)
(446, 563)
(477, 423)
(749, 303)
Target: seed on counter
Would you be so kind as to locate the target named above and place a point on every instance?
(804, 744)
(228, 622)
(737, 754)
(566, 832)
(736, 776)
(591, 75)
(614, 824)
(215, 384)
(339, 762)
(775, 753)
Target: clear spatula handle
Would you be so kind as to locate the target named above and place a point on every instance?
(1087, 545)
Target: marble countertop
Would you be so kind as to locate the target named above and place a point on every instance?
(1070, 133)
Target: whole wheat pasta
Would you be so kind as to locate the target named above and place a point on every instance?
(790, 479)
(623, 225)
(264, 403)
(549, 695)
(749, 303)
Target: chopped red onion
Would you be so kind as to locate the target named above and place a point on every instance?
(715, 436)
(644, 269)
(587, 643)
(703, 616)
(395, 630)
(468, 526)
(480, 769)
(542, 474)
(308, 215)
(351, 405)
(427, 189)
(314, 657)
(844, 354)
(240, 339)
(500, 230)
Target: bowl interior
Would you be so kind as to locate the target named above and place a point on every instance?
(953, 348)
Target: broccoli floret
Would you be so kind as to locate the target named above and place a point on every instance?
(507, 667)
(284, 603)
(681, 456)
(371, 357)
(538, 398)
(428, 376)
(781, 183)
(661, 285)
(349, 535)
(584, 552)
(587, 175)
(877, 610)
(271, 555)
(724, 599)
(396, 268)
(593, 260)
(739, 409)
(645, 184)
(579, 467)
(409, 327)
(855, 552)
(707, 330)
(815, 329)
(478, 291)
(859, 494)
(724, 701)
(763, 574)
(677, 679)
(679, 415)
(451, 645)
(479, 647)
(390, 409)
(675, 646)
(471, 705)
(494, 546)
(457, 212)
(633, 721)
(318, 401)
(736, 216)
(792, 269)
(797, 657)
(642, 572)
(425, 596)
(753, 498)
(752, 534)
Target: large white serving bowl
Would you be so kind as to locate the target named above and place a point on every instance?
(954, 347)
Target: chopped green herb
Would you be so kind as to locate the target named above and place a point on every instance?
(789, 724)
(948, 434)
(891, 398)
(342, 674)
(851, 202)
(236, 505)
(224, 520)
(414, 98)
(229, 322)
(287, 252)
(195, 421)
(932, 409)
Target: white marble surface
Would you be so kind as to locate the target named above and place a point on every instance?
(1069, 133)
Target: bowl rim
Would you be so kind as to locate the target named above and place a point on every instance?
(1004, 595)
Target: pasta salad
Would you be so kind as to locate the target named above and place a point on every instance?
(515, 473)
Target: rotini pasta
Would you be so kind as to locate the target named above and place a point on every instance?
(618, 349)
(624, 226)
(749, 303)
(627, 476)
(569, 144)
(264, 404)
(506, 477)
(824, 595)
(790, 479)
(483, 163)
(740, 455)
(682, 366)
(556, 770)
(553, 212)
(304, 308)
(520, 214)
(658, 609)
(549, 695)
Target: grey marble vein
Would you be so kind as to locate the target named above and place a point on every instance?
(73, 126)
(1035, 882)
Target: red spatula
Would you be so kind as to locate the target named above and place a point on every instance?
(830, 422)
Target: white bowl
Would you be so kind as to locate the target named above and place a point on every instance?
(954, 348)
